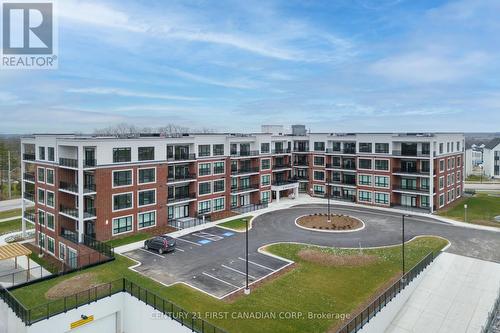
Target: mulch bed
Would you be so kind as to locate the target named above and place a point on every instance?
(338, 222)
(222, 215)
(329, 259)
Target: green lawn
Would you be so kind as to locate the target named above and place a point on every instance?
(10, 213)
(128, 239)
(237, 224)
(481, 209)
(11, 226)
(309, 287)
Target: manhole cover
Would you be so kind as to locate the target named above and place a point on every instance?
(497, 218)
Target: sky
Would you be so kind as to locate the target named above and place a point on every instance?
(335, 66)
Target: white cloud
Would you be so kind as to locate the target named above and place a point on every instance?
(8, 98)
(239, 83)
(128, 93)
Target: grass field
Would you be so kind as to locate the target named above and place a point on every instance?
(237, 224)
(128, 239)
(11, 226)
(10, 213)
(481, 209)
(309, 288)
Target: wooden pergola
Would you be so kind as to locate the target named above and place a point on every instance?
(14, 250)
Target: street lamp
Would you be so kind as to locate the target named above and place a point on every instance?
(328, 192)
(403, 279)
(465, 213)
(247, 290)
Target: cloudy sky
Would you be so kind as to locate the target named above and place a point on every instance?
(344, 65)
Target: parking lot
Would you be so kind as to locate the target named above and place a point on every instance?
(212, 261)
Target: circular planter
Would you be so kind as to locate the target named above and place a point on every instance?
(360, 225)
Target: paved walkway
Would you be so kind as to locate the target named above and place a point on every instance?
(10, 204)
(455, 295)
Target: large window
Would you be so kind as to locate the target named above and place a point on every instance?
(50, 199)
(382, 148)
(219, 168)
(219, 185)
(41, 175)
(146, 220)
(147, 176)
(265, 148)
(122, 224)
(265, 164)
(365, 147)
(382, 198)
(121, 155)
(365, 196)
(147, 198)
(382, 181)
(203, 150)
(50, 176)
(319, 189)
(51, 154)
(41, 240)
(364, 163)
(122, 201)
(204, 169)
(319, 160)
(319, 175)
(41, 153)
(319, 146)
(50, 221)
(265, 180)
(218, 149)
(219, 204)
(441, 165)
(146, 153)
(204, 207)
(41, 196)
(382, 165)
(265, 197)
(51, 245)
(204, 188)
(122, 178)
(41, 217)
(365, 180)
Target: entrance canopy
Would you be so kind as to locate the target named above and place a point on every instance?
(285, 186)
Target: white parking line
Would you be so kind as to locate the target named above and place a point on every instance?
(155, 254)
(209, 236)
(216, 278)
(237, 271)
(256, 264)
(178, 249)
(183, 240)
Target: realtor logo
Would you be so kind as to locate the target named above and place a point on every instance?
(28, 35)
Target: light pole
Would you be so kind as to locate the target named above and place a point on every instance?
(328, 192)
(403, 279)
(465, 213)
(247, 290)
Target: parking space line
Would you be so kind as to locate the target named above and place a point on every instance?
(216, 278)
(209, 236)
(237, 271)
(178, 249)
(155, 254)
(183, 240)
(256, 264)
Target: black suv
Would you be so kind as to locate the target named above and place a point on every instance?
(161, 244)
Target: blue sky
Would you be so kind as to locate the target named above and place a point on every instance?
(343, 65)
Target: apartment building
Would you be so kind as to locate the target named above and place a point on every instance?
(77, 186)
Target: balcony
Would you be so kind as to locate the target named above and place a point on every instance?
(301, 178)
(29, 156)
(29, 196)
(30, 216)
(413, 171)
(68, 162)
(73, 188)
(301, 149)
(282, 166)
(243, 171)
(181, 197)
(181, 177)
(301, 163)
(245, 188)
(411, 153)
(281, 151)
(342, 182)
(89, 163)
(284, 182)
(29, 176)
(245, 153)
(88, 213)
(410, 189)
(69, 235)
(181, 157)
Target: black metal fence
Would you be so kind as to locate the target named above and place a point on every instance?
(249, 208)
(64, 304)
(188, 222)
(381, 301)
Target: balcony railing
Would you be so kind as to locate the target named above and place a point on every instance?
(301, 163)
(242, 171)
(245, 153)
(68, 211)
(68, 162)
(281, 151)
(304, 177)
(181, 157)
(181, 177)
(284, 182)
(410, 189)
(237, 189)
(350, 151)
(29, 176)
(29, 156)
(29, 196)
(181, 197)
(69, 235)
(68, 187)
(410, 153)
(301, 149)
(89, 163)
(411, 171)
(281, 166)
(30, 216)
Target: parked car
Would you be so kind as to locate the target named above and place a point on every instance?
(161, 244)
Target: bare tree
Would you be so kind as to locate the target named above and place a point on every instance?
(128, 129)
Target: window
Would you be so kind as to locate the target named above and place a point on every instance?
(146, 153)
(319, 146)
(426, 148)
(265, 164)
(318, 189)
(441, 182)
(441, 148)
(219, 168)
(41, 153)
(365, 147)
(319, 175)
(382, 198)
(219, 204)
(51, 245)
(424, 183)
(459, 176)
(382, 165)
(203, 150)
(204, 188)
(424, 201)
(122, 178)
(50, 221)
(365, 180)
(265, 196)
(265, 180)
(121, 155)
(458, 192)
(50, 176)
(204, 169)
(365, 163)
(219, 185)
(382, 148)
(204, 207)
(447, 147)
(122, 201)
(382, 181)
(319, 160)
(441, 165)
(365, 196)
(41, 196)
(234, 201)
(122, 225)
(147, 198)
(62, 251)
(147, 176)
(50, 199)
(218, 150)
(41, 217)
(335, 146)
(41, 175)
(458, 146)
(41, 240)
(265, 148)
(146, 220)
(459, 161)
(51, 154)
